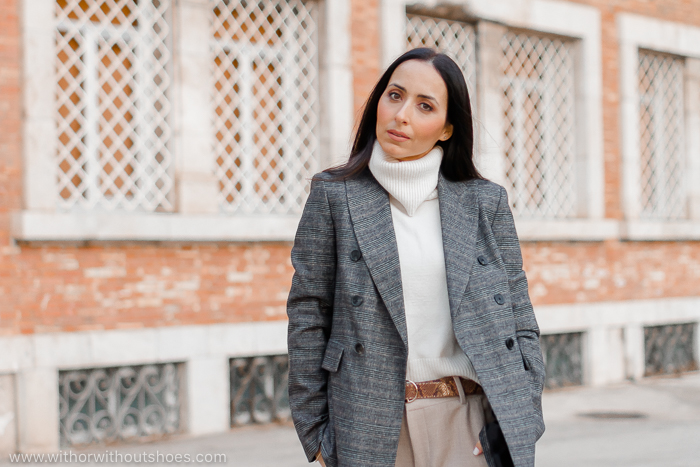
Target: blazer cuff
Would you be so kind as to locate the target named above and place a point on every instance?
(494, 446)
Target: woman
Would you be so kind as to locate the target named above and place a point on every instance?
(412, 340)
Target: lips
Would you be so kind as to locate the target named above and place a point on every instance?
(397, 135)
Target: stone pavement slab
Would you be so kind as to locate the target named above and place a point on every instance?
(666, 432)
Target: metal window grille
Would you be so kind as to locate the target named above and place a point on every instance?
(661, 132)
(455, 38)
(563, 359)
(669, 349)
(112, 100)
(265, 103)
(259, 389)
(108, 404)
(538, 91)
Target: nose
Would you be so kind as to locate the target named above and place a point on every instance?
(403, 113)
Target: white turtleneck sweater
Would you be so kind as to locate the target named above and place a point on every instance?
(433, 351)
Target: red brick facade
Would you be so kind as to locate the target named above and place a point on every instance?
(69, 287)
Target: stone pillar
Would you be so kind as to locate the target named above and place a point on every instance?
(196, 184)
(604, 356)
(37, 410)
(336, 82)
(634, 351)
(8, 416)
(490, 156)
(692, 135)
(207, 395)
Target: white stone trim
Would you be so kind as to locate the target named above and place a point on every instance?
(545, 16)
(39, 132)
(205, 350)
(115, 226)
(196, 187)
(643, 230)
(197, 217)
(41, 226)
(567, 230)
(614, 332)
(336, 93)
(94, 349)
(635, 32)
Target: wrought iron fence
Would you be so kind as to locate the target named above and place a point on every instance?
(670, 349)
(539, 109)
(108, 404)
(259, 389)
(265, 101)
(112, 67)
(563, 359)
(661, 113)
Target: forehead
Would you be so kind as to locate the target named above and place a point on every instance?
(419, 77)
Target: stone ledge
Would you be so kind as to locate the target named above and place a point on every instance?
(108, 226)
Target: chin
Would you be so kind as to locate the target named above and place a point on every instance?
(391, 149)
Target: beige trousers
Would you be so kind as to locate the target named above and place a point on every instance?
(442, 432)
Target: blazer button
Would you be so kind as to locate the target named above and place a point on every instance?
(360, 349)
(510, 343)
(482, 261)
(499, 299)
(355, 255)
(356, 300)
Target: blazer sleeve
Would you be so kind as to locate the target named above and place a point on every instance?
(527, 331)
(309, 307)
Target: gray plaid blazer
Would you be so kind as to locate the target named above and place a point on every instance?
(347, 337)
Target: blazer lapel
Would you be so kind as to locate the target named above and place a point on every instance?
(370, 212)
(459, 215)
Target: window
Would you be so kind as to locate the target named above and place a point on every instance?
(455, 38)
(539, 96)
(265, 104)
(112, 103)
(659, 89)
(661, 109)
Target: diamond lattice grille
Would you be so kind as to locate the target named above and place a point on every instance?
(113, 81)
(454, 38)
(661, 131)
(538, 91)
(265, 102)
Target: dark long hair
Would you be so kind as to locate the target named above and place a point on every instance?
(457, 160)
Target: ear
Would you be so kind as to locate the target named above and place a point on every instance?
(446, 133)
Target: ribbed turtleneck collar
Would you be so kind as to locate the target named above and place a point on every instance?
(409, 182)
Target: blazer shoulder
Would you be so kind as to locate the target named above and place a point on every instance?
(490, 194)
(322, 176)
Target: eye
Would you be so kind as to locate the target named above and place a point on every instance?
(425, 106)
(394, 96)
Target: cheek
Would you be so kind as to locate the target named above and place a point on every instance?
(430, 128)
(383, 114)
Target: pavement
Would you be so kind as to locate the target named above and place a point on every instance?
(655, 422)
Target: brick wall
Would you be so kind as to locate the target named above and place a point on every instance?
(74, 287)
(71, 288)
(365, 49)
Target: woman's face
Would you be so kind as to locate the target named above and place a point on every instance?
(412, 112)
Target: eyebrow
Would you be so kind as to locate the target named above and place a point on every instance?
(422, 96)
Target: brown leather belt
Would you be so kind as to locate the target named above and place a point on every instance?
(443, 387)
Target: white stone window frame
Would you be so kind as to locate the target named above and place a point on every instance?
(639, 32)
(578, 22)
(197, 215)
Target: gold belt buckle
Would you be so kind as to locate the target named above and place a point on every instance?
(408, 401)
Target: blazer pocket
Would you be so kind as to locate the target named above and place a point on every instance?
(332, 357)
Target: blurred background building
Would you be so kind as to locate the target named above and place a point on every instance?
(155, 158)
